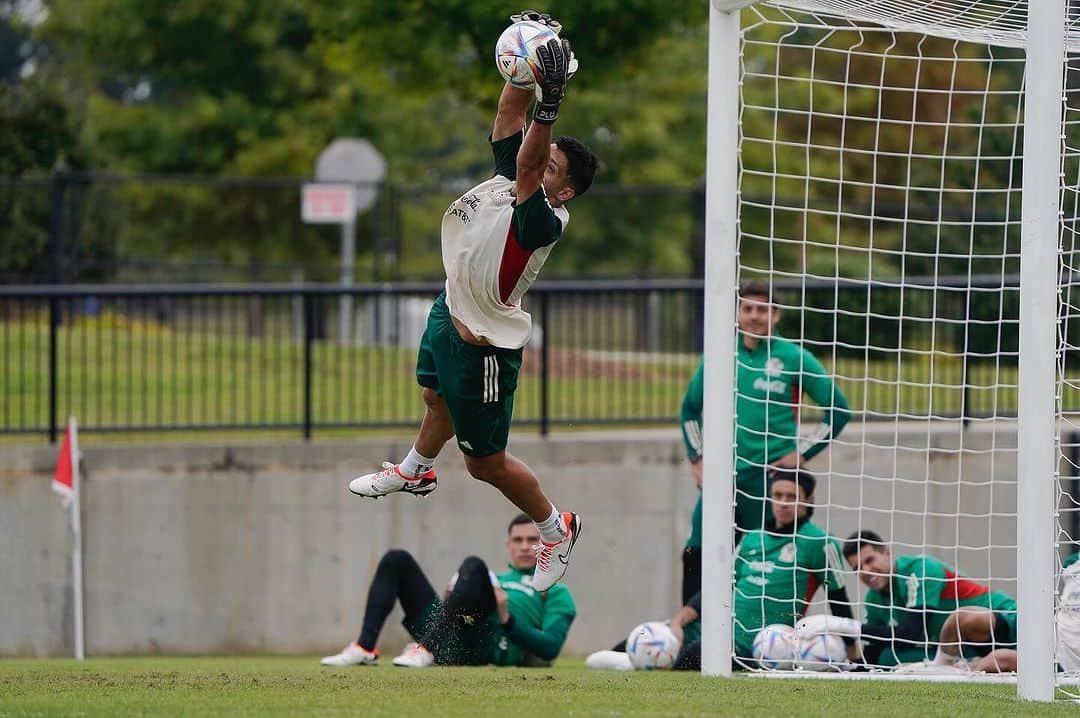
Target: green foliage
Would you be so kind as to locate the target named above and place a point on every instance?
(260, 86)
(896, 137)
(256, 88)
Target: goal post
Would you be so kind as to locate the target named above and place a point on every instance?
(1036, 451)
(905, 175)
(721, 221)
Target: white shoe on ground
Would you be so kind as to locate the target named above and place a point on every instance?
(609, 661)
(352, 655)
(390, 480)
(552, 560)
(415, 656)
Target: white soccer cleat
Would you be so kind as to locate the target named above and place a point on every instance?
(552, 560)
(415, 656)
(390, 480)
(352, 655)
(609, 661)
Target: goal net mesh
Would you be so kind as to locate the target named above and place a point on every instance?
(881, 148)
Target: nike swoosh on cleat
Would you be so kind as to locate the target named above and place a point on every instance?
(424, 488)
(564, 558)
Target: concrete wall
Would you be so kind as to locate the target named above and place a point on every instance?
(259, 548)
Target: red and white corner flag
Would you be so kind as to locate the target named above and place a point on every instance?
(63, 481)
(66, 483)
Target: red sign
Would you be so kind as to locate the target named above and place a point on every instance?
(325, 203)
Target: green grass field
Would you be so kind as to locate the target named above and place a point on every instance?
(299, 686)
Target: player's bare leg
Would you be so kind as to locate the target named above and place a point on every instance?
(968, 624)
(436, 428)
(559, 531)
(514, 479)
(1003, 660)
(415, 474)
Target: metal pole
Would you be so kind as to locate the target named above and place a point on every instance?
(54, 330)
(1036, 459)
(721, 217)
(76, 531)
(348, 269)
(310, 307)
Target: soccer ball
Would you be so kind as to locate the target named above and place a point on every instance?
(774, 647)
(652, 646)
(823, 652)
(515, 52)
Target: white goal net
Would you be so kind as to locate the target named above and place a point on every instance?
(881, 172)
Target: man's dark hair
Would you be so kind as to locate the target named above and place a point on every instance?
(856, 541)
(756, 288)
(581, 163)
(519, 519)
(803, 479)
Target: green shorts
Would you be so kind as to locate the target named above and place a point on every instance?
(476, 382)
(467, 644)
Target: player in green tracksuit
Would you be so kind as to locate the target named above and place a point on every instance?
(538, 623)
(777, 571)
(919, 608)
(772, 374)
(482, 618)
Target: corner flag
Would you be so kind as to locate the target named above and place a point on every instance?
(66, 483)
(63, 481)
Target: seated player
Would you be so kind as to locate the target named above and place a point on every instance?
(918, 606)
(483, 618)
(777, 571)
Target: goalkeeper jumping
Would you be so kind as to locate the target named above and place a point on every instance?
(495, 239)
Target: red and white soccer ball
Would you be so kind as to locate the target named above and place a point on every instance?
(652, 646)
(515, 52)
(823, 652)
(774, 647)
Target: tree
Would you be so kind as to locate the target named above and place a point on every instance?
(259, 87)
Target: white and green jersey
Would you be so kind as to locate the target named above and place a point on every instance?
(493, 249)
(777, 575)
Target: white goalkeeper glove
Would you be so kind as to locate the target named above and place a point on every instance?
(834, 625)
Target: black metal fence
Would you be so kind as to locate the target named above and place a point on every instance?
(196, 357)
(128, 358)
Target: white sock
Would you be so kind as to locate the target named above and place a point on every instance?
(941, 658)
(415, 465)
(552, 529)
